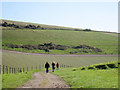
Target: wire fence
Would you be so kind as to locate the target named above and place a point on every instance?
(12, 70)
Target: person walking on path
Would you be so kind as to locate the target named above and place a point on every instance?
(57, 65)
(47, 67)
(53, 66)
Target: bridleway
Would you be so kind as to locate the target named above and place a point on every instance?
(45, 80)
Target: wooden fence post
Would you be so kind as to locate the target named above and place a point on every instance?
(9, 69)
(23, 69)
(6, 69)
(3, 70)
(12, 70)
(18, 69)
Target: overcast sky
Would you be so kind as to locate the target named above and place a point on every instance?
(101, 16)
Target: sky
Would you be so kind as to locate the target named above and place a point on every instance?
(100, 16)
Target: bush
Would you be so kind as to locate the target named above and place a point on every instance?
(90, 68)
(61, 47)
(111, 65)
(4, 24)
(101, 67)
(31, 27)
(97, 50)
(35, 46)
(83, 68)
(74, 69)
(47, 50)
(87, 30)
(71, 52)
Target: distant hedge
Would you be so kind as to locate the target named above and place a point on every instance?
(46, 46)
(50, 46)
(86, 49)
(30, 26)
(5, 24)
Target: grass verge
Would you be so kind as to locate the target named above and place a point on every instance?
(77, 78)
(16, 80)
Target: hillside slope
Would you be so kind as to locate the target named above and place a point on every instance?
(107, 42)
(36, 39)
(36, 24)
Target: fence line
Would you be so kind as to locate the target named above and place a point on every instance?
(11, 70)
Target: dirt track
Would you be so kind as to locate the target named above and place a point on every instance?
(57, 54)
(45, 80)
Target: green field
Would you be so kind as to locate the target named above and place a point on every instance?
(23, 60)
(92, 78)
(61, 36)
(107, 42)
(16, 80)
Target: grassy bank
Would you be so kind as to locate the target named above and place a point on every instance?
(16, 80)
(102, 78)
(107, 42)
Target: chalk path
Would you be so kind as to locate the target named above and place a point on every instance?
(45, 80)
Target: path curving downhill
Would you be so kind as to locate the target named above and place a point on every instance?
(93, 55)
(45, 80)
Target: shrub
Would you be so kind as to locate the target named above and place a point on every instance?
(29, 47)
(97, 50)
(5, 24)
(85, 51)
(71, 52)
(74, 69)
(16, 26)
(47, 50)
(101, 67)
(61, 47)
(90, 68)
(87, 30)
(35, 46)
(111, 65)
(83, 68)
(40, 47)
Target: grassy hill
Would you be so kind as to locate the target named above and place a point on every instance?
(36, 24)
(60, 40)
(65, 40)
(107, 42)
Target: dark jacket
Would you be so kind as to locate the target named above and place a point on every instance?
(57, 65)
(47, 65)
(53, 65)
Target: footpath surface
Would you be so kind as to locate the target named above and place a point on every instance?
(84, 55)
(45, 80)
